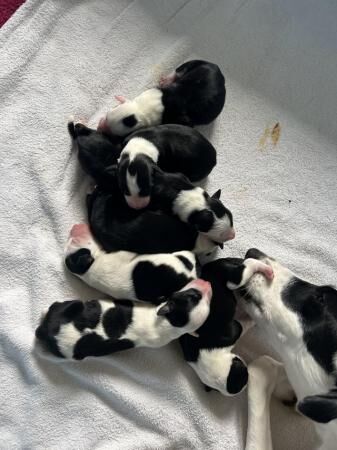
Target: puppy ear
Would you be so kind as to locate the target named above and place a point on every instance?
(165, 309)
(321, 408)
(217, 194)
(202, 220)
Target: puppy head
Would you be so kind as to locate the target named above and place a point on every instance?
(121, 120)
(189, 307)
(81, 249)
(295, 313)
(58, 314)
(136, 179)
(215, 220)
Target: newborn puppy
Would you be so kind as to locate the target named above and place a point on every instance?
(76, 329)
(174, 148)
(96, 151)
(126, 275)
(193, 95)
(210, 354)
(175, 194)
(118, 227)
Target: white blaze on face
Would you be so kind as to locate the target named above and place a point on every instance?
(140, 146)
(221, 230)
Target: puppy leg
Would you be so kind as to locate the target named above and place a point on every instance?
(263, 377)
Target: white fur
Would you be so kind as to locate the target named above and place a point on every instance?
(139, 145)
(188, 201)
(111, 273)
(192, 200)
(262, 381)
(203, 245)
(213, 367)
(282, 328)
(147, 329)
(147, 107)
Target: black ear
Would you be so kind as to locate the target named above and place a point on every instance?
(130, 121)
(80, 261)
(217, 194)
(202, 220)
(165, 309)
(72, 309)
(320, 408)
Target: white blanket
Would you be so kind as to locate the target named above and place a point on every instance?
(61, 57)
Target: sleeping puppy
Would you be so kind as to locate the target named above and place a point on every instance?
(300, 321)
(96, 151)
(209, 353)
(193, 95)
(76, 329)
(126, 275)
(175, 194)
(174, 148)
(117, 227)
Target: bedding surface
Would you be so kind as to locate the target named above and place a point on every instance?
(277, 163)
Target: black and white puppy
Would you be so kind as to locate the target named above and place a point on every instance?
(174, 148)
(126, 275)
(209, 353)
(193, 95)
(117, 227)
(175, 194)
(300, 321)
(76, 329)
(96, 151)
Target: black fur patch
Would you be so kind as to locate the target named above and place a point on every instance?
(80, 261)
(237, 377)
(190, 347)
(202, 220)
(187, 263)
(320, 408)
(130, 121)
(117, 320)
(58, 314)
(151, 282)
(182, 303)
(316, 307)
(197, 96)
(94, 345)
(90, 315)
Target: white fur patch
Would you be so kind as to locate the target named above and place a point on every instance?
(140, 146)
(147, 108)
(67, 338)
(189, 201)
(213, 367)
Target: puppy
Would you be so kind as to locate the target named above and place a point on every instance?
(126, 275)
(300, 320)
(193, 95)
(174, 148)
(96, 151)
(175, 194)
(210, 353)
(76, 329)
(117, 227)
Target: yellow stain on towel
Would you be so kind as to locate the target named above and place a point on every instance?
(270, 135)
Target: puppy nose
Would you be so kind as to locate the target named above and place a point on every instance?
(79, 229)
(230, 235)
(103, 125)
(255, 254)
(137, 202)
(204, 286)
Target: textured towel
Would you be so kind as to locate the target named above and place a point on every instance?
(277, 169)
